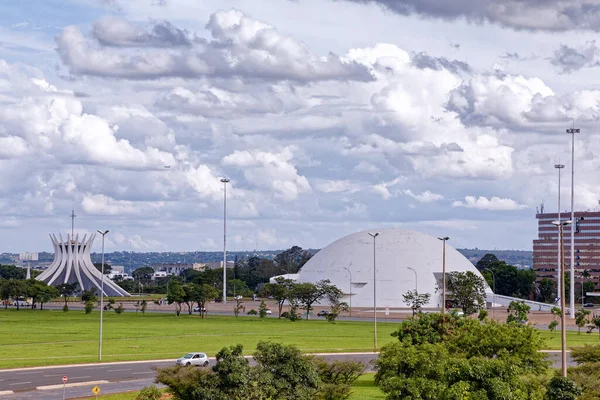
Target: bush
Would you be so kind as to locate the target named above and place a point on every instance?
(149, 393)
(562, 388)
(120, 309)
(585, 354)
(339, 372)
(285, 315)
(252, 312)
(330, 391)
(89, 306)
(483, 314)
(65, 308)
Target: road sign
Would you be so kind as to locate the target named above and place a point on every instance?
(387, 311)
(96, 390)
(65, 379)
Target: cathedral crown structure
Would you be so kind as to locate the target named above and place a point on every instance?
(72, 264)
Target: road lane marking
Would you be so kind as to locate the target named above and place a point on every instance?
(26, 373)
(80, 377)
(69, 385)
(140, 373)
(119, 370)
(20, 383)
(5, 392)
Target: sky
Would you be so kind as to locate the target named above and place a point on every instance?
(328, 116)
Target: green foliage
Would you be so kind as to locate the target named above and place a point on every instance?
(89, 306)
(202, 294)
(442, 357)
(262, 309)
(120, 309)
(144, 306)
(65, 308)
(67, 290)
(552, 326)
(581, 318)
(587, 377)
(335, 311)
(586, 354)
(12, 272)
(486, 261)
(280, 291)
(562, 388)
(518, 312)
(142, 275)
(306, 294)
(415, 300)
(252, 312)
(468, 291)
(291, 260)
(547, 291)
(88, 295)
(339, 371)
(281, 372)
(107, 268)
(176, 294)
(238, 307)
(483, 314)
(149, 393)
(509, 280)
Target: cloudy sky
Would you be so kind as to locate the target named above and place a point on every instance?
(328, 116)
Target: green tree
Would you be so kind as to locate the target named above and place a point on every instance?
(143, 275)
(467, 290)
(581, 318)
(67, 290)
(203, 295)
(553, 325)
(280, 291)
(238, 307)
(189, 297)
(415, 300)
(5, 292)
(107, 268)
(547, 290)
(89, 295)
(486, 261)
(12, 272)
(46, 294)
(262, 310)
(291, 260)
(307, 294)
(518, 312)
(176, 294)
(336, 310)
(17, 289)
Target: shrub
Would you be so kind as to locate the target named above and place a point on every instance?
(149, 393)
(562, 388)
(338, 371)
(483, 314)
(330, 391)
(262, 310)
(89, 306)
(65, 308)
(252, 312)
(120, 309)
(586, 354)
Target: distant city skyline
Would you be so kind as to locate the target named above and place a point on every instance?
(328, 116)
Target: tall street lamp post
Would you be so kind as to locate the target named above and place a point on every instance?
(350, 292)
(416, 280)
(563, 320)
(572, 131)
(559, 167)
(225, 181)
(103, 233)
(494, 288)
(374, 236)
(444, 239)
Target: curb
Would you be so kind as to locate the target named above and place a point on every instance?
(70, 385)
(6, 392)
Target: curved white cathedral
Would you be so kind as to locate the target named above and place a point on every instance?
(72, 264)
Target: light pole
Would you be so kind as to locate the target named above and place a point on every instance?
(374, 236)
(350, 292)
(563, 329)
(559, 167)
(572, 131)
(494, 288)
(225, 181)
(444, 239)
(416, 280)
(103, 233)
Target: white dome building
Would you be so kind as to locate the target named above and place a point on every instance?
(348, 264)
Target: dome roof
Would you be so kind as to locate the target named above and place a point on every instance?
(348, 264)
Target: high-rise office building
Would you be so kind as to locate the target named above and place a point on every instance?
(587, 246)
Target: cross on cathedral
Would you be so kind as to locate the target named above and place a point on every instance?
(72, 216)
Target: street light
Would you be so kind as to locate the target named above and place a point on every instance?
(374, 236)
(103, 233)
(416, 280)
(572, 131)
(494, 288)
(559, 167)
(444, 239)
(563, 329)
(225, 181)
(350, 292)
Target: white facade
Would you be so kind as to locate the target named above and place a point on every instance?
(72, 263)
(395, 251)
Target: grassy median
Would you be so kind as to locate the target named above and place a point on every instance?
(34, 337)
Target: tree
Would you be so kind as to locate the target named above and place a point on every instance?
(336, 310)
(236, 287)
(143, 275)
(467, 290)
(17, 289)
(238, 307)
(581, 318)
(46, 294)
(12, 272)
(486, 261)
(176, 294)
(308, 294)
(291, 260)
(518, 312)
(262, 310)
(280, 291)
(67, 290)
(547, 290)
(107, 268)
(189, 296)
(204, 294)
(89, 295)
(416, 300)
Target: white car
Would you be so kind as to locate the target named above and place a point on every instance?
(269, 312)
(196, 359)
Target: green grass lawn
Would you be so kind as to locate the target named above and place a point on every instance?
(573, 339)
(35, 337)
